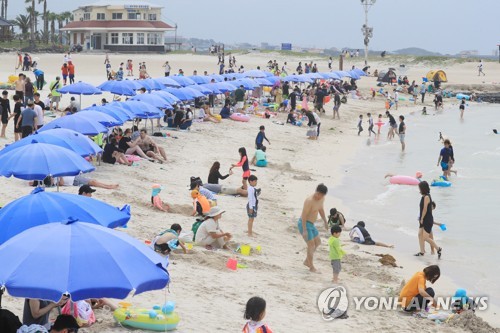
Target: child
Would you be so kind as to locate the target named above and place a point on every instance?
(360, 123)
(370, 125)
(243, 163)
(462, 108)
(291, 118)
(336, 252)
(253, 203)
(156, 200)
(255, 312)
(168, 240)
(259, 140)
(201, 205)
(379, 123)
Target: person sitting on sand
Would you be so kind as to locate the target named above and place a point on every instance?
(168, 240)
(201, 205)
(65, 324)
(113, 154)
(225, 112)
(360, 235)
(206, 115)
(131, 147)
(150, 148)
(336, 218)
(80, 180)
(197, 184)
(415, 295)
(156, 200)
(213, 182)
(36, 311)
(209, 234)
(259, 159)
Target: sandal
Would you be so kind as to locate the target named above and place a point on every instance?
(439, 253)
(421, 254)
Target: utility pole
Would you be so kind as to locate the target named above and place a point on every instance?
(366, 30)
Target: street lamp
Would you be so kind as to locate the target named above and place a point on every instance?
(366, 30)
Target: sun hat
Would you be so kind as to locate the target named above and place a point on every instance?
(215, 211)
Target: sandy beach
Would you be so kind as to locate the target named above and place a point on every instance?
(208, 296)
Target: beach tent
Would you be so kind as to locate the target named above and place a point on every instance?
(437, 75)
(388, 76)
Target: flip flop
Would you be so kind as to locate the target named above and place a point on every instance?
(439, 253)
(420, 254)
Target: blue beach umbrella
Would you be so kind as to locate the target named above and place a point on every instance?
(199, 79)
(181, 95)
(192, 92)
(224, 87)
(169, 97)
(183, 80)
(333, 75)
(83, 259)
(153, 100)
(41, 207)
(167, 81)
(119, 87)
(274, 79)
(231, 76)
(216, 77)
(39, 160)
(298, 78)
(74, 141)
(343, 74)
(142, 110)
(150, 84)
(204, 89)
(248, 84)
(354, 75)
(100, 117)
(264, 82)
(78, 124)
(359, 71)
(113, 111)
(257, 73)
(80, 88)
(314, 76)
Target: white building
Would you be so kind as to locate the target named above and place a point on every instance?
(119, 26)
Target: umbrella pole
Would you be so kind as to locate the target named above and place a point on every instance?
(2, 290)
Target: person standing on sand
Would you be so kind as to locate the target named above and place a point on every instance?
(480, 68)
(336, 105)
(426, 220)
(402, 132)
(423, 90)
(370, 125)
(392, 125)
(167, 68)
(360, 124)
(462, 108)
(312, 206)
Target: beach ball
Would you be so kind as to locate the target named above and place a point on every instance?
(168, 307)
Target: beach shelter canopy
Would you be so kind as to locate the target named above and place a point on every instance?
(150, 84)
(437, 75)
(83, 259)
(123, 87)
(142, 110)
(100, 117)
(388, 76)
(298, 78)
(200, 79)
(224, 87)
(118, 113)
(169, 97)
(80, 88)
(64, 138)
(167, 81)
(257, 73)
(153, 100)
(39, 160)
(79, 124)
(183, 80)
(42, 207)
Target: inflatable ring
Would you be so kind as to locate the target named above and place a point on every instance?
(240, 117)
(155, 319)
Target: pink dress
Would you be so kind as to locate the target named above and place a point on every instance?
(305, 105)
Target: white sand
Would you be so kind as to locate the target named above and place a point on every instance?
(209, 297)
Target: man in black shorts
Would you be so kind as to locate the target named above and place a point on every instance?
(5, 111)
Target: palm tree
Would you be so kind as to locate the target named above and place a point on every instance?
(32, 21)
(52, 17)
(2, 5)
(23, 22)
(61, 18)
(45, 20)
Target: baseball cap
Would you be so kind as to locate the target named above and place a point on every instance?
(85, 189)
(65, 322)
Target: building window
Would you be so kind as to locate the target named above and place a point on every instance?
(127, 38)
(152, 17)
(154, 38)
(114, 38)
(140, 38)
(134, 16)
(86, 16)
(101, 16)
(117, 16)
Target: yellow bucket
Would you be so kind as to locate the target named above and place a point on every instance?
(189, 246)
(245, 250)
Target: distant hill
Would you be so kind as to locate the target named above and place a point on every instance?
(416, 52)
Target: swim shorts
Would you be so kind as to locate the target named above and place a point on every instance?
(251, 215)
(336, 265)
(261, 163)
(444, 166)
(312, 232)
(80, 180)
(402, 138)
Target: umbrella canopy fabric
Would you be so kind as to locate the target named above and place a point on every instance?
(115, 112)
(183, 80)
(83, 259)
(264, 82)
(248, 84)
(216, 77)
(39, 160)
(76, 142)
(181, 95)
(204, 89)
(354, 75)
(343, 74)
(153, 100)
(150, 84)
(169, 97)
(359, 71)
(333, 75)
(224, 87)
(118, 87)
(314, 76)
(41, 207)
(192, 92)
(101, 117)
(81, 125)
(199, 79)
(167, 81)
(298, 78)
(142, 110)
(231, 76)
(80, 88)
(257, 73)
(273, 79)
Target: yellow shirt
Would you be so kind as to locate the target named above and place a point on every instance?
(410, 290)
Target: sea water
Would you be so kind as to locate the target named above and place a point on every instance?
(470, 208)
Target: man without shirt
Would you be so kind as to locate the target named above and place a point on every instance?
(312, 206)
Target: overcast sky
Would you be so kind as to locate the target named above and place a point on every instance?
(446, 26)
